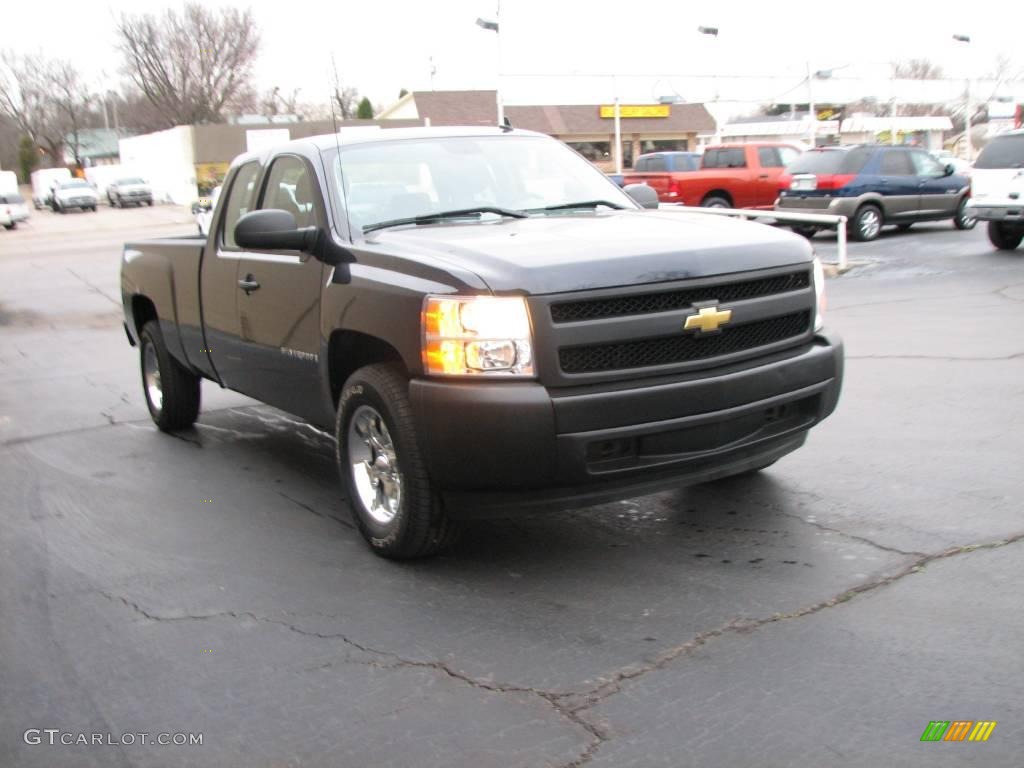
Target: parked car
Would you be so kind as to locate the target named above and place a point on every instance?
(129, 191)
(43, 182)
(997, 189)
(487, 324)
(76, 193)
(874, 185)
(14, 208)
(945, 157)
(681, 162)
(205, 214)
(8, 183)
(730, 176)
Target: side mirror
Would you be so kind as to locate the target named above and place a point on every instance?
(274, 230)
(642, 194)
(949, 170)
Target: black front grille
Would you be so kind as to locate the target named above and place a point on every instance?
(683, 348)
(665, 301)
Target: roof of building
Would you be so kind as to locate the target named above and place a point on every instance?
(94, 142)
(480, 108)
(866, 124)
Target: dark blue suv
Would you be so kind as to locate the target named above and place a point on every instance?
(874, 185)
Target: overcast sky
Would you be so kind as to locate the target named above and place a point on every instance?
(381, 46)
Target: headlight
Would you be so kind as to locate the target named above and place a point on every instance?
(477, 335)
(819, 294)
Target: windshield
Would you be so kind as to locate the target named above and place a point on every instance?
(1003, 152)
(74, 184)
(829, 161)
(395, 180)
(132, 180)
(12, 199)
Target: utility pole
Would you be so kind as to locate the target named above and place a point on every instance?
(812, 113)
(968, 111)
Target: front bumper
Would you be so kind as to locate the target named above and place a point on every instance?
(1012, 214)
(495, 448)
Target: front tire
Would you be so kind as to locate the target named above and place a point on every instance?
(171, 391)
(963, 218)
(397, 511)
(1003, 236)
(867, 223)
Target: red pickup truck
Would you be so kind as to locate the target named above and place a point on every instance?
(730, 176)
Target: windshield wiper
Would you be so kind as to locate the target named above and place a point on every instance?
(429, 218)
(583, 204)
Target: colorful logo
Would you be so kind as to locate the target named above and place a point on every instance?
(958, 730)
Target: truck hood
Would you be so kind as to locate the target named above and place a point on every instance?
(555, 254)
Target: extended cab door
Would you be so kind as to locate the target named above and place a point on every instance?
(218, 281)
(278, 294)
(772, 161)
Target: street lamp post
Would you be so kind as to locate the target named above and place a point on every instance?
(966, 40)
(494, 26)
(713, 32)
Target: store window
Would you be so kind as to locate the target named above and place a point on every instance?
(664, 145)
(594, 151)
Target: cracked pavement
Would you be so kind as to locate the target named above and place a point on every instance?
(818, 614)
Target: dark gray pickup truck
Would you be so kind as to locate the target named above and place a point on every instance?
(486, 324)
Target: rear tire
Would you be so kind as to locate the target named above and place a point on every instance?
(395, 508)
(171, 391)
(1005, 237)
(962, 219)
(715, 201)
(866, 224)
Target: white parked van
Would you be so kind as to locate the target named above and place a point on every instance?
(43, 182)
(997, 189)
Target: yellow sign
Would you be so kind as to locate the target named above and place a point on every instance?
(637, 110)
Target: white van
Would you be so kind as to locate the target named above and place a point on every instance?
(43, 182)
(997, 189)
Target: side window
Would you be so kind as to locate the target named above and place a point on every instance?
(290, 188)
(711, 157)
(769, 157)
(896, 162)
(657, 163)
(926, 165)
(735, 158)
(240, 201)
(641, 165)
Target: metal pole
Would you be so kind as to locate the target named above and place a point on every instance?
(497, 32)
(967, 121)
(841, 243)
(618, 133)
(892, 117)
(813, 128)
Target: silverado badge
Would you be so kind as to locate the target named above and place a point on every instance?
(707, 320)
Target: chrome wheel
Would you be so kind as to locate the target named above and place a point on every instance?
(869, 223)
(151, 377)
(964, 220)
(374, 464)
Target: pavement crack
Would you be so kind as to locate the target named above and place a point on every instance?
(95, 288)
(572, 706)
(315, 511)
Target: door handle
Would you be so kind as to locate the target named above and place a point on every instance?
(248, 284)
(763, 176)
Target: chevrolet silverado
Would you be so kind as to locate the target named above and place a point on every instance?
(486, 324)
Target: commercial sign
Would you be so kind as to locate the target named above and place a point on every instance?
(637, 110)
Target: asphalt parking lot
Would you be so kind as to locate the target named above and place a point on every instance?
(819, 614)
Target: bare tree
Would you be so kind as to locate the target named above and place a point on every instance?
(192, 67)
(916, 69)
(346, 101)
(47, 101)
